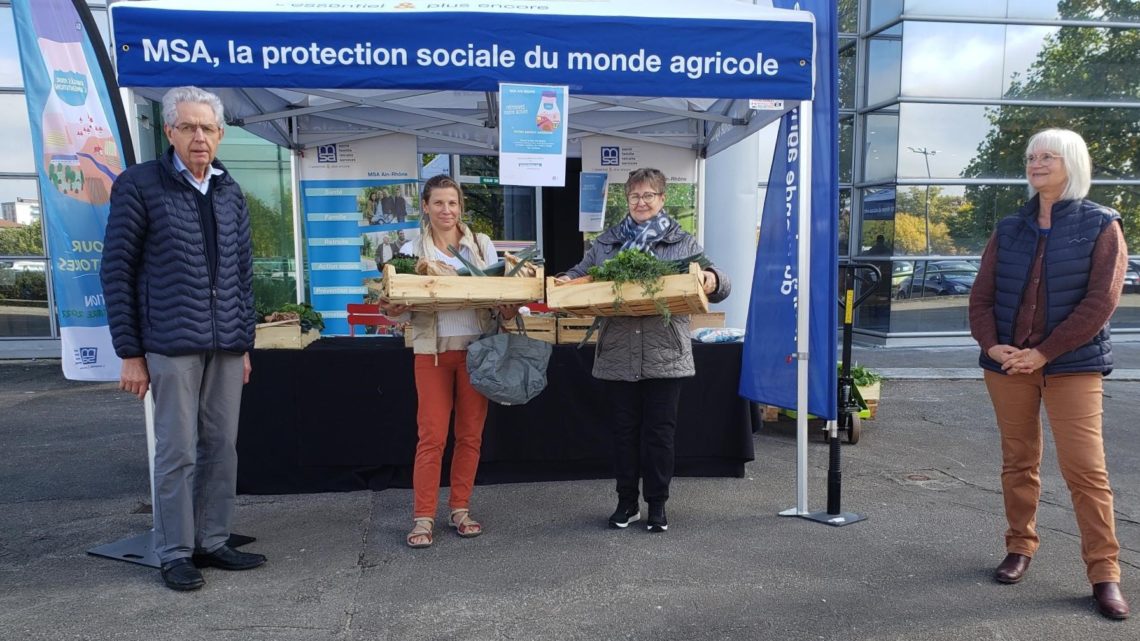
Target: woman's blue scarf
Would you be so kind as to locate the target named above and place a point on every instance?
(645, 235)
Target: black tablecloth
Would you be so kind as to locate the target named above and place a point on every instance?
(341, 415)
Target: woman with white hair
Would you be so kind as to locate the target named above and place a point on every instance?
(1050, 279)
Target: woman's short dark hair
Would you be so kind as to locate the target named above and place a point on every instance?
(649, 175)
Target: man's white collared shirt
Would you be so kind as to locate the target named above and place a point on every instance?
(201, 185)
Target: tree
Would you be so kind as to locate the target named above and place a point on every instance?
(909, 228)
(1074, 63)
(27, 240)
(271, 228)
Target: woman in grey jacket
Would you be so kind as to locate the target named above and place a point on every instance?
(645, 357)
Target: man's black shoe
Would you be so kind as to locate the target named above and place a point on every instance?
(657, 521)
(625, 514)
(228, 558)
(181, 575)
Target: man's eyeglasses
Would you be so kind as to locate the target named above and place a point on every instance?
(187, 129)
(642, 197)
(1045, 158)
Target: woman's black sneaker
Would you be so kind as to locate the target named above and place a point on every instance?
(657, 521)
(625, 514)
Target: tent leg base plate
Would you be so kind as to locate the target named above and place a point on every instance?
(140, 548)
(834, 520)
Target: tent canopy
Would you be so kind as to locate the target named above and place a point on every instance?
(433, 70)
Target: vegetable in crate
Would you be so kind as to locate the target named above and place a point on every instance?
(636, 266)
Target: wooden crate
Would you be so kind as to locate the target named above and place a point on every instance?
(543, 328)
(573, 330)
(283, 335)
(435, 293)
(682, 294)
(711, 319)
(870, 395)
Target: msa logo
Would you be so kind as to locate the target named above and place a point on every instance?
(86, 355)
(326, 153)
(611, 156)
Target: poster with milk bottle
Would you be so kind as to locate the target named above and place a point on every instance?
(532, 135)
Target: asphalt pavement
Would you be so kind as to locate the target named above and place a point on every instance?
(73, 475)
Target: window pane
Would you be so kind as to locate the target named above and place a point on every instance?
(1126, 200)
(939, 140)
(947, 60)
(848, 16)
(933, 296)
(1072, 63)
(262, 170)
(884, 61)
(884, 10)
(21, 229)
(10, 75)
(971, 8)
(1117, 11)
(847, 80)
(503, 212)
(846, 145)
(1110, 134)
(479, 166)
(844, 221)
(15, 135)
(881, 147)
(23, 298)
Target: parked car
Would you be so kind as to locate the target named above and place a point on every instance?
(939, 278)
(1132, 277)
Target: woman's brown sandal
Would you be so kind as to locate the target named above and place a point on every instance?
(465, 526)
(420, 536)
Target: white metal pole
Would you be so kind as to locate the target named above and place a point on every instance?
(148, 413)
(298, 227)
(803, 312)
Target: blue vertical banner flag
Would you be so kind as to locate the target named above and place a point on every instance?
(768, 373)
(79, 142)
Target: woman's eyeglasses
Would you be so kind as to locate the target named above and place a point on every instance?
(642, 197)
(1045, 158)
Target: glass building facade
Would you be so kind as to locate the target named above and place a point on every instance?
(938, 100)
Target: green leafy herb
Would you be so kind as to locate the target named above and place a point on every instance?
(861, 375)
(309, 316)
(642, 268)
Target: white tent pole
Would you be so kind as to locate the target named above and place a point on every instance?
(298, 237)
(803, 311)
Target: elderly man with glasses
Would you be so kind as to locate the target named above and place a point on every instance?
(177, 276)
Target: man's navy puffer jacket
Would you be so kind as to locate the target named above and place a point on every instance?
(155, 278)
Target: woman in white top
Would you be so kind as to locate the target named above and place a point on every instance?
(440, 340)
